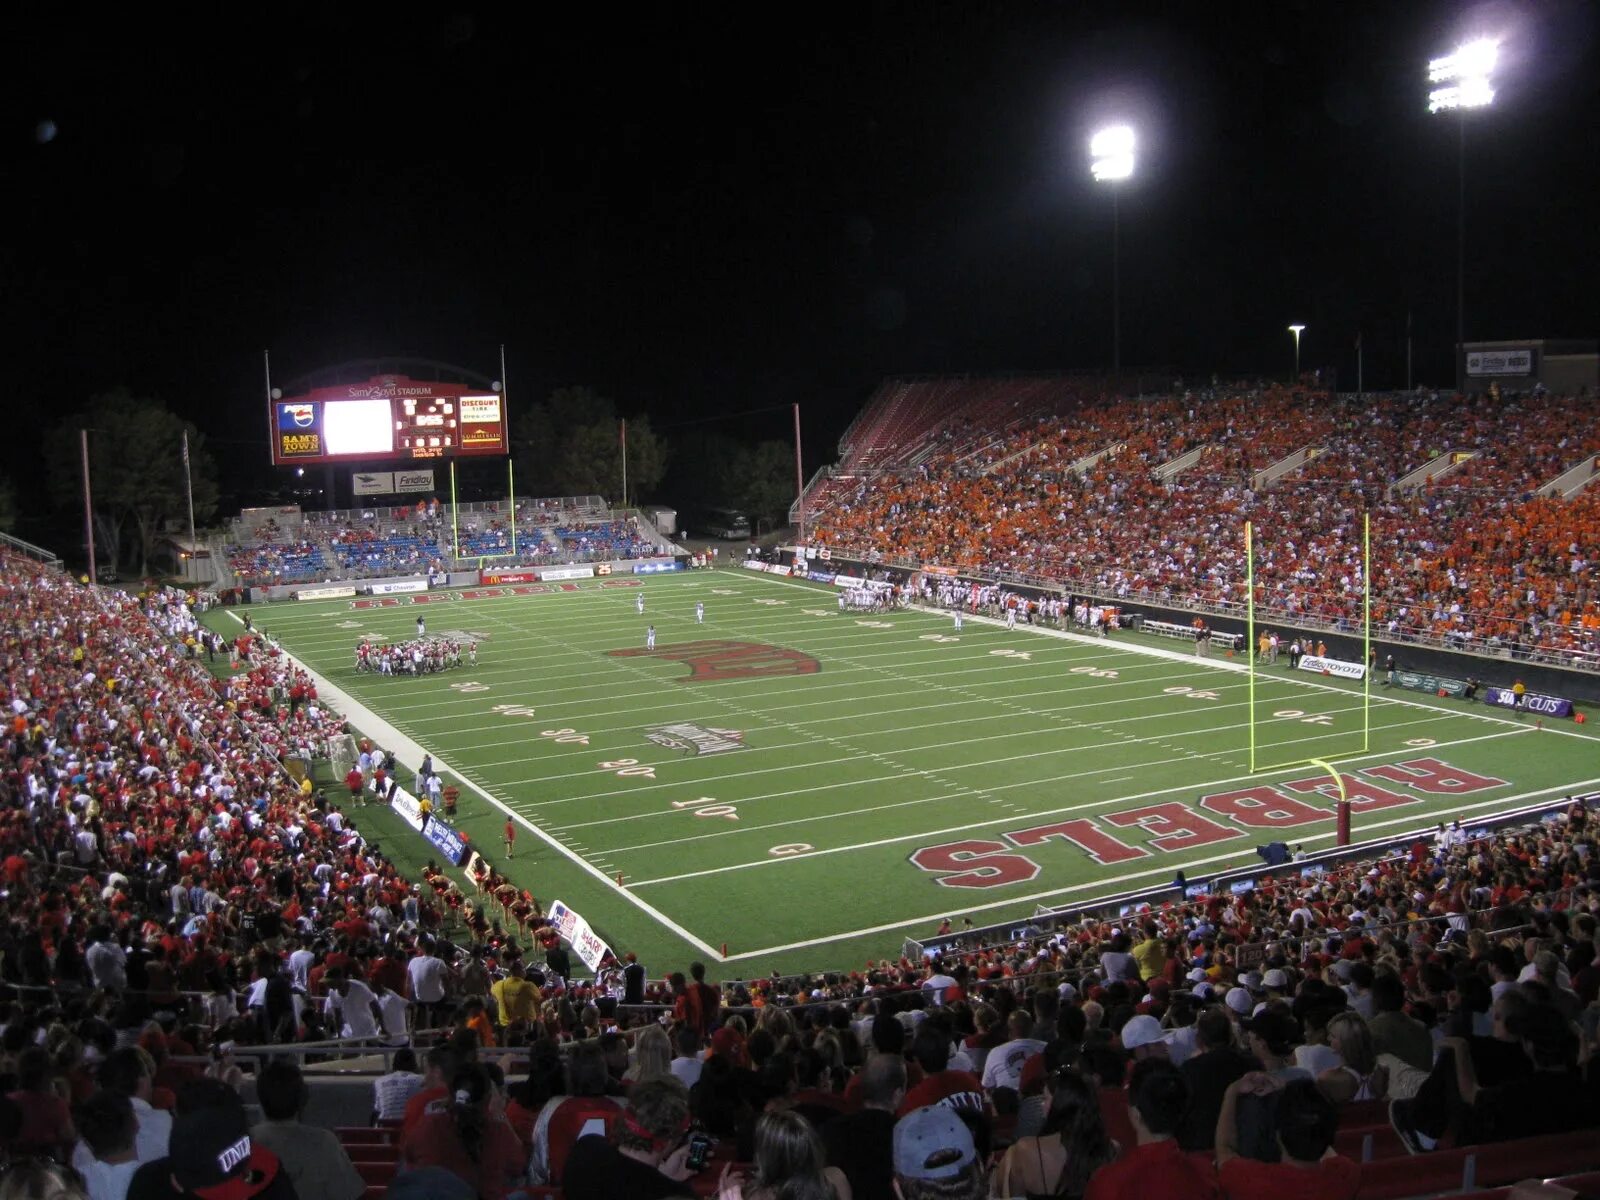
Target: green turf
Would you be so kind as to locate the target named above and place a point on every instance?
(908, 736)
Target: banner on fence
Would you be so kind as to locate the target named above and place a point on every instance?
(1547, 706)
(1336, 667)
(341, 592)
(576, 931)
(404, 585)
(1434, 685)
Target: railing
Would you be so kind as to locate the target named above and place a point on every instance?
(48, 557)
(1167, 598)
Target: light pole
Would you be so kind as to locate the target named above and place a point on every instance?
(1461, 82)
(1111, 161)
(1297, 330)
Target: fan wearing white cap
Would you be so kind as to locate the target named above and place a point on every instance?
(1143, 1037)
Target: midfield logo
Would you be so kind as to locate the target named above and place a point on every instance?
(714, 660)
(695, 739)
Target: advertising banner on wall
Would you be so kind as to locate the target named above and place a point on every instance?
(1436, 685)
(413, 481)
(1336, 667)
(556, 574)
(1548, 706)
(372, 483)
(1500, 362)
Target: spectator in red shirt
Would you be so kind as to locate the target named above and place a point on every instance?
(470, 1138)
(47, 1129)
(1306, 1123)
(1156, 1165)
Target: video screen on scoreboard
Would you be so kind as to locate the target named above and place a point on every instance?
(357, 427)
(388, 418)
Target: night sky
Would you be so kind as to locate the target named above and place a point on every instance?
(712, 208)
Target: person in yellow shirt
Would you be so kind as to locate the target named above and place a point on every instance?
(1150, 954)
(425, 809)
(518, 998)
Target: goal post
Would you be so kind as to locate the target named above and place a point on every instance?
(1257, 766)
(455, 516)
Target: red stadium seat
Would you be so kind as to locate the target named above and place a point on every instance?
(1422, 1175)
(1556, 1154)
(377, 1173)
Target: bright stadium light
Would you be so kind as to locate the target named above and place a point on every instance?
(1111, 161)
(1461, 82)
(1297, 330)
(1111, 154)
(1464, 76)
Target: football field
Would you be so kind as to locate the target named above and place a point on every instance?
(805, 786)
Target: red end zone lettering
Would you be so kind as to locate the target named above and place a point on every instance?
(978, 863)
(1176, 826)
(713, 660)
(1362, 795)
(376, 602)
(622, 583)
(1263, 808)
(1434, 776)
(528, 589)
(1084, 834)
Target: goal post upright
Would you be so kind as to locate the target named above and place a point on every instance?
(1366, 630)
(1250, 631)
(1343, 811)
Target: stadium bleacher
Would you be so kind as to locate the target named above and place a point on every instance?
(1472, 557)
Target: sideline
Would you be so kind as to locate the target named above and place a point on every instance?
(375, 727)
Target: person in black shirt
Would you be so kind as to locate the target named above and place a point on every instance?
(632, 980)
(1209, 1074)
(861, 1144)
(645, 1159)
(1551, 1099)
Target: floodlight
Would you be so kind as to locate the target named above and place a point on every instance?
(1111, 153)
(1297, 330)
(1465, 75)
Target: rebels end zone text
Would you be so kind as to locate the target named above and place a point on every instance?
(986, 863)
(485, 593)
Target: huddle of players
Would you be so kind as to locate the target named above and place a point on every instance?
(418, 656)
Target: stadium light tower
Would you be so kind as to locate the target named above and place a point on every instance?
(1461, 82)
(1297, 330)
(1111, 161)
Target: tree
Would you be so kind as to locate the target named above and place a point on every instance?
(136, 472)
(570, 445)
(762, 482)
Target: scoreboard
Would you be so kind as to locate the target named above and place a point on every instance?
(388, 418)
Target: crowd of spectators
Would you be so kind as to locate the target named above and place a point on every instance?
(1473, 558)
(372, 543)
(170, 890)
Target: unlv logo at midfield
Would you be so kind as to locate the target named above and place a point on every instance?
(709, 661)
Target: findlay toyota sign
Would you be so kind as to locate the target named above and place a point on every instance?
(1500, 362)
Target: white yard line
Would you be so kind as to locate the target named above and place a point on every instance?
(1104, 882)
(1029, 815)
(374, 726)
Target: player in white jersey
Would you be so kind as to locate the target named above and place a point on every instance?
(699, 612)
(958, 620)
(650, 638)
(638, 603)
(1011, 617)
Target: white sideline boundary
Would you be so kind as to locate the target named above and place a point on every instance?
(1166, 869)
(374, 726)
(1112, 643)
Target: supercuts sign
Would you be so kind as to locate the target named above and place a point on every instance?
(1549, 706)
(1176, 827)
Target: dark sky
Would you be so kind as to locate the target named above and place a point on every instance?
(707, 208)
